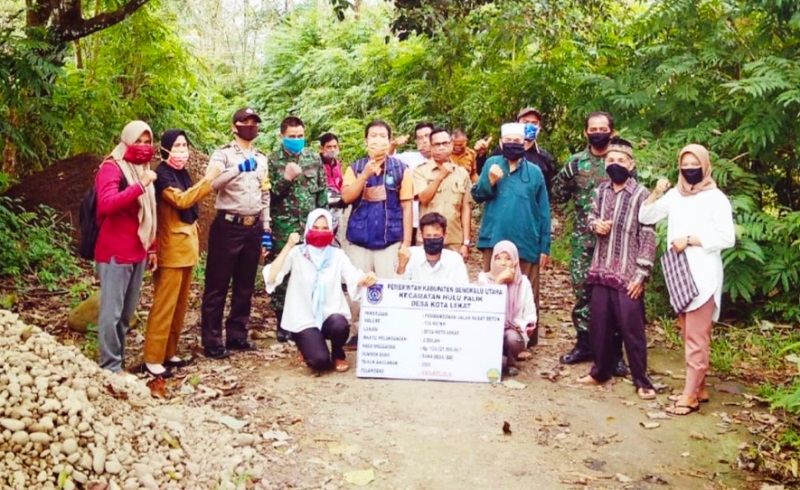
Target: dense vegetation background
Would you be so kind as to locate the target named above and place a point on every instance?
(723, 73)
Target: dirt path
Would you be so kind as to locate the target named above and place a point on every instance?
(438, 435)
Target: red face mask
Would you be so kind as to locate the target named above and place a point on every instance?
(139, 154)
(319, 238)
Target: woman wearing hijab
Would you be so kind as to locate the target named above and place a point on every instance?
(316, 308)
(700, 225)
(178, 252)
(520, 322)
(126, 215)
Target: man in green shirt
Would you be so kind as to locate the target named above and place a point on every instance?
(516, 206)
(576, 182)
(298, 186)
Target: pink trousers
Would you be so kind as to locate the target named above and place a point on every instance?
(696, 330)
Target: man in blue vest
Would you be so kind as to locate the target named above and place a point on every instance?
(381, 190)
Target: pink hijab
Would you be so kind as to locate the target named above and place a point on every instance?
(512, 303)
(687, 189)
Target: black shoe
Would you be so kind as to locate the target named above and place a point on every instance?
(351, 344)
(582, 352)
(178, 364)
(283, 335)
(620, 369)
(240, 345)
(217, 352)
(165, 375)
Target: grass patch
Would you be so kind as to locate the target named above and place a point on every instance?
(755, 353)
(90, 346)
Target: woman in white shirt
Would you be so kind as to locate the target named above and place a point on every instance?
(520, 309)
(699, 224)
(316, 308)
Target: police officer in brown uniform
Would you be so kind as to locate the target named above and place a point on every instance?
(238, 236)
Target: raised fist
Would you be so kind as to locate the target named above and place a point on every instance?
(495, 173)
(148, 177)
(292, 171)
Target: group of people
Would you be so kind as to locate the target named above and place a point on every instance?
(405, 216)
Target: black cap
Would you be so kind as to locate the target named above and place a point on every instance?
(245, 113)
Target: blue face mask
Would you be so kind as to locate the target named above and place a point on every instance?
(294, 145)
(531, 130)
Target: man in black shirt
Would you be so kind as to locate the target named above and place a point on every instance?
(532, 119)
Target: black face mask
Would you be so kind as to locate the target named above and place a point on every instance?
(247, 133)
(618, 173)
(433, 246)
(513, 151)
(599, 140)
(692, 175)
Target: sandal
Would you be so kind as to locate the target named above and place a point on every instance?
(677, 398)
(646, 393)
(341, 365)
(524, 355)
(681, 410)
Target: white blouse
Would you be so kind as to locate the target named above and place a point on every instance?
(298, 313)
(708, 216)
(527, 314)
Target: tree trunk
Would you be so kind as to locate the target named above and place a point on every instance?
(76, 45)
(10, 162)
(64, 20)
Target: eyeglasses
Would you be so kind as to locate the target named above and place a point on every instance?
(441, 144)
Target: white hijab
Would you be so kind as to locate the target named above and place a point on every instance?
(321, 258)
(316, 253)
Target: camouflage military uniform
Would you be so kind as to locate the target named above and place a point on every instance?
(577, 181)
(292, 201)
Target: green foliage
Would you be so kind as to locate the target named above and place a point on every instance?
(713, 72)
(6, 181)
(757, 352)
(34, 246)
(25, 82)
(138, 69)
(90, 346)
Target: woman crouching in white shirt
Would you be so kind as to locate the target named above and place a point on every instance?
(520, 322)
(700, 224)
(316, 308)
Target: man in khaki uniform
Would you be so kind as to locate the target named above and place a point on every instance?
(444, 187)
(465, 156)
(237, 238)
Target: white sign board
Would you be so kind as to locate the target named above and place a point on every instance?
(410, 330)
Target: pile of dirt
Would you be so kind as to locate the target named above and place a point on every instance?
(62, 185)
(65, 423)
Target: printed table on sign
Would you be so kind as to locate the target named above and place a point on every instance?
(448, 332)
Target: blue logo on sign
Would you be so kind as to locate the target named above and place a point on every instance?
(375, 294)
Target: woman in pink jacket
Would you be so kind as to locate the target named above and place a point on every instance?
(126, 214)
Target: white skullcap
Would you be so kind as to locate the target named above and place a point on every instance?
(509, 129)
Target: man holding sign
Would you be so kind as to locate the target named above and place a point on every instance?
(432, 263)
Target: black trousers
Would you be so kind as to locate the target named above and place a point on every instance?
(311, 342)
(613, 311)
(233, 254)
